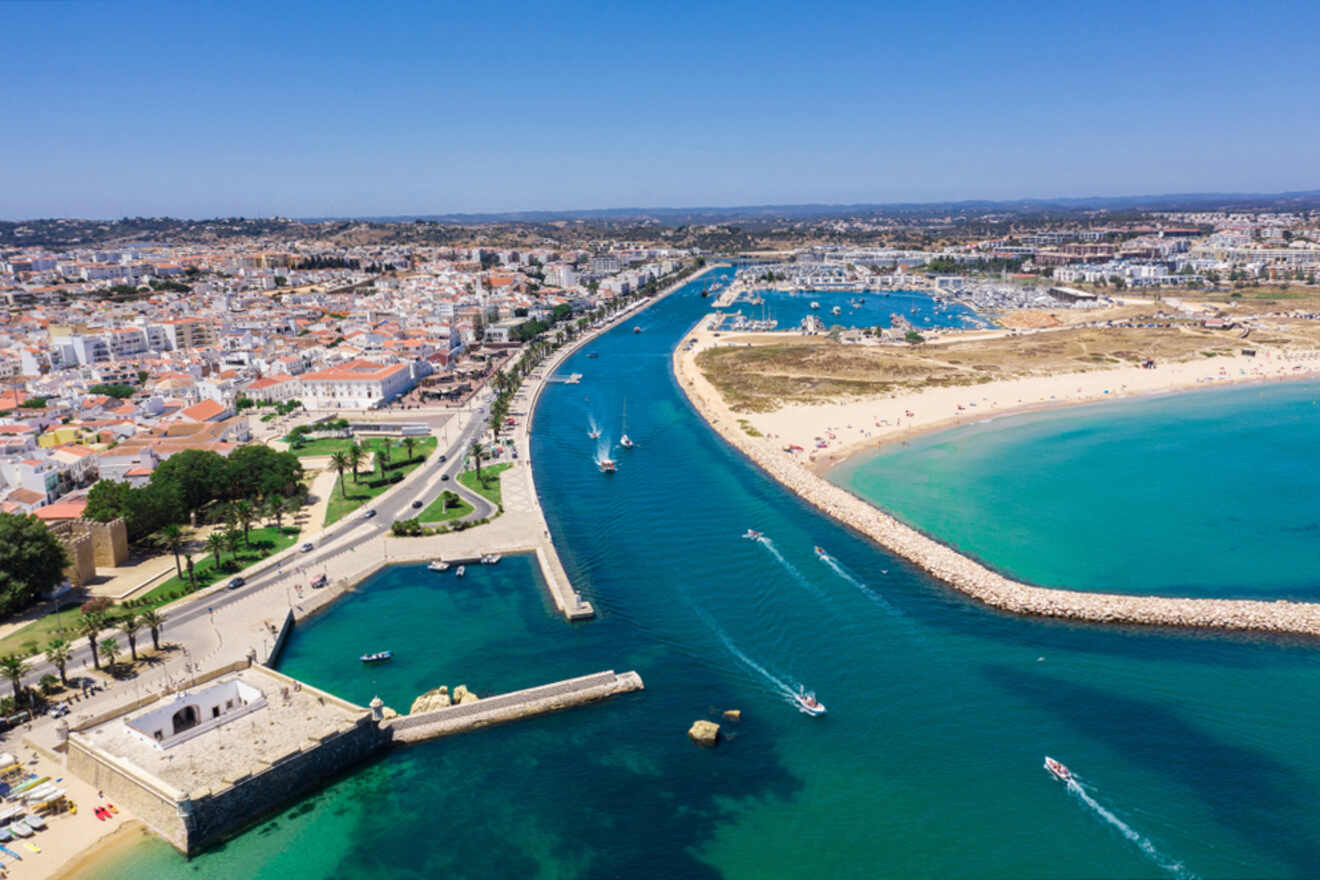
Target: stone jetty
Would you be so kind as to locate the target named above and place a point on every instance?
(973, 578)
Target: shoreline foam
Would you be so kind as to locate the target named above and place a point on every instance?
(958, 570)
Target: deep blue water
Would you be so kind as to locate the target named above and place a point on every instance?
(940, 712)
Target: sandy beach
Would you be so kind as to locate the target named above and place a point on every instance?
(855, 425)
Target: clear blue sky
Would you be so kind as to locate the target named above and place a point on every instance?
(201, 109)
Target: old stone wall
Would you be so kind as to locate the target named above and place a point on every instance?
(82, 563)
(110, 543)
(222, 814)
(122, 785)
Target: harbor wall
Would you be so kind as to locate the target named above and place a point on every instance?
(512, 706)
(971, 577)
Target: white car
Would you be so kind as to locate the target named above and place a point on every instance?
(306, 548)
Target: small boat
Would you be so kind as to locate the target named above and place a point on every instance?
(32, 846)
(491, 558)
(637, 329)
(34, 821)
(836, 311)
(20, 828)
(626, 442)
(808, 703)
(437, 565)
(6, 835)
(376, 657)
(752, 535)
(460, 571)
(594, 434)
(1057, 770)
(593, 354)
(607, 466)
(705, 292)
(820, 551)
(9, 852)
(815, 305)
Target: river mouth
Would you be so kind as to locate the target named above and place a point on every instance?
(928, 763)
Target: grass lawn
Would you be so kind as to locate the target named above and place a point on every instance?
(264, 542)
(370, 484)
(435, 511)
(323, 446)
(489, 484)
(40, 631)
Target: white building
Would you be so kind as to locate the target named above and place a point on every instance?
(356, 384)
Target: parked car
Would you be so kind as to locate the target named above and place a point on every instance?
(417, 504)
(368, 514)
(235, 583)
(306, 548)
(444, 477)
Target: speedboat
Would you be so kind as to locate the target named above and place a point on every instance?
(815, 305)
(626, 442)
(637, 329)
(808, 703)
(462, 570)
(836, 311)
(607, 466)
(594, 434)
(437, 565)
(820, 551)
(752, 535)
(491, 558)
(377, 657)
(1057, 770)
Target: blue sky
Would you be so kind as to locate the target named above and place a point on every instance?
(202, 109)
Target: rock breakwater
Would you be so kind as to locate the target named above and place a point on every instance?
(971, 577)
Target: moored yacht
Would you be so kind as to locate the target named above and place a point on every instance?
(461, 570)
(437, 565)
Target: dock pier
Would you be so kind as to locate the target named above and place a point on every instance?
(511, 706)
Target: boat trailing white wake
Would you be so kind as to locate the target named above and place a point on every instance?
(804, 702)
(848, 576)
(798, 576)
(1075, 788)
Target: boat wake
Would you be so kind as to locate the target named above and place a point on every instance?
(857, 582)
(798, 576)
(778, 685)
(1147, 848)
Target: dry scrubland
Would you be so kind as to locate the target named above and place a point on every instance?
(776, 370)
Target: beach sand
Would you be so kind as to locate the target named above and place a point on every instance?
(853, 425)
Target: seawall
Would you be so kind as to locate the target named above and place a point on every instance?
(971, 577)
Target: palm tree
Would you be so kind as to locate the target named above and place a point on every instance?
(60, 652)
(154, 620)
(274, 509)
(232, 539)
(192, 577)
(476, 453)
(90, 625)
(386, 444)
(246, 514)
(410, 443)
(355, 454)
(215, 542)
(14, 668)
(174, 536)
(110, 648)
(339, 461)
(128, 625)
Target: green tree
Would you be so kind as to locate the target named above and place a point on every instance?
(476, 452)
(32, 561)
(246, 514)
(355, 453)
(129, 624)
(215, 542)
(60, 652)
(386, 444)
(200, 474)
(410, 443)
(173, 536)
(339, 461)
(91, 625)
(256, 471)
(233, 538)
(118, 391)
(111, 650)
(14, 669)
(154, 620)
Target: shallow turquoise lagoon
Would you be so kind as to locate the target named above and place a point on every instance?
(1198, 754)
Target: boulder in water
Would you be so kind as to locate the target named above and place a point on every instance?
(463, 695)
(733, 715)
(705, 733)
(436, 698)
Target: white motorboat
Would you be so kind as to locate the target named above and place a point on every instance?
(1057, 770)
(836, 311)
(594, 434)
(820, 551)
(626, 442)
(437, 565)
(815, 305)
(462, 570)
(607, 465)
(377, 657)
(752, 535)
(490, 559)
(808, 703)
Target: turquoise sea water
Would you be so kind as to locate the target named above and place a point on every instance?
(1213, 493)
(871, 309)
(940, 712)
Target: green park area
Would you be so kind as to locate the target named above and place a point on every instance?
(229, 555)
(446, 507)
(390, 461)
(488, 484)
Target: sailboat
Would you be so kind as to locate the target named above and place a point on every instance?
(625, 441)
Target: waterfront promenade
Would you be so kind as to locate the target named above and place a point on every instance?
(964, 573)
